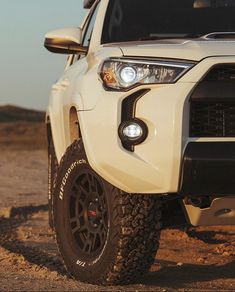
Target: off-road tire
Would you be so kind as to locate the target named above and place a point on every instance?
(52, 171)
(132, 237)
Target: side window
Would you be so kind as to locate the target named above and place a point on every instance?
(90, 26)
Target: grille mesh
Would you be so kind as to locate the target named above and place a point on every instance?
(212, 104)
(212, 119)
(225, 72)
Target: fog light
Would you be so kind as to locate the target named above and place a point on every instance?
(132, 133)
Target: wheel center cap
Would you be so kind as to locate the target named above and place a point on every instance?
(93, 214)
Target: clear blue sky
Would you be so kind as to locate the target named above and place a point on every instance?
(27, 69)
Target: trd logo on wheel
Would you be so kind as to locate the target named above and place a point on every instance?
(65, 178)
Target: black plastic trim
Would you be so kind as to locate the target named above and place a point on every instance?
(129, 104)
(208, 169)
(128, 114)
(214, 90)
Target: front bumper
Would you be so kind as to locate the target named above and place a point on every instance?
(155, 165)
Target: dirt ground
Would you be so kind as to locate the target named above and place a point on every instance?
(201, 259)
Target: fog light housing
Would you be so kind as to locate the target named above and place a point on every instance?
(132, 133)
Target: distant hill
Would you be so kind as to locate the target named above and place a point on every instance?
(11, 113)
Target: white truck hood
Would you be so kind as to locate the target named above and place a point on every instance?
(195, 50)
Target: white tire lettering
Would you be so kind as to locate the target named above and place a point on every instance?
(80, 263)
(61, 196)
(66, 176)
(64, 181)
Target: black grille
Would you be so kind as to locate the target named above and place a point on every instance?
(212, 103)
(225, 72)
(212, 119)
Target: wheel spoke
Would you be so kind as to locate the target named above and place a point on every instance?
(92, 183)
(75, 229)
(87, 243)
(103, 235)
(88, 212)
(86, 248)
(75, 191)
(84, 191)
(93, 241)
(83, 239)
(97, 188)
(83, 179)
(104, 218)
(88, 179)
(79, 207)
(73, 220)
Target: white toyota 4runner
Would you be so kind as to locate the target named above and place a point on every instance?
(143, 113)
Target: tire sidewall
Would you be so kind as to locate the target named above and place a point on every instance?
(52, 172)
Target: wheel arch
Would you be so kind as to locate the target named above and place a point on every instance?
(66, 133)
(54, 134)
(74, 124)
(48, 129)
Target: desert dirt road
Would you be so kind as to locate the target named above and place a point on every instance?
(201, 259)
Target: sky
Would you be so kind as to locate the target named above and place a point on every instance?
(28, 70)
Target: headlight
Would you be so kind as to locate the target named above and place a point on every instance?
(123, 74)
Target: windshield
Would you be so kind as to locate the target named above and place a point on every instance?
(135, 20)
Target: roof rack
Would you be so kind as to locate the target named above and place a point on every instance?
(88, 3)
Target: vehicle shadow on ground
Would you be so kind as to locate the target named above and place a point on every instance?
(179, 277)
(207, 236)
(10, 242)
(170, 275)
